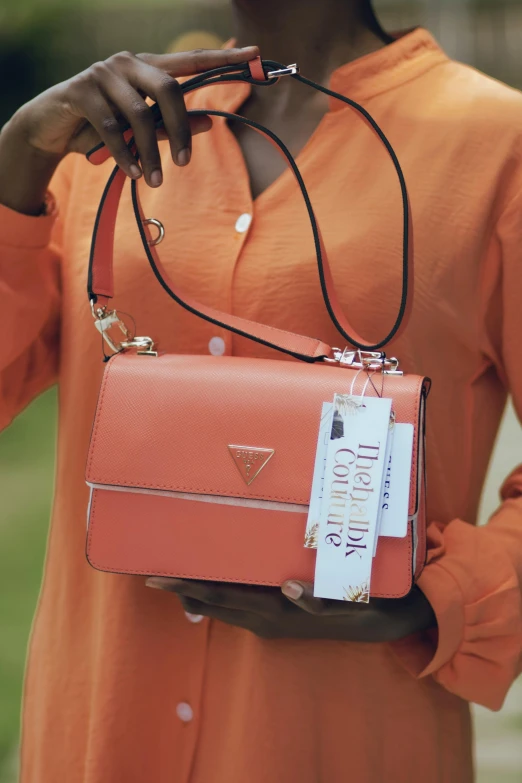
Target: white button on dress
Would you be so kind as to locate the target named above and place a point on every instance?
(217, 346)
(184, 712)
(243, 223)
(194, 618)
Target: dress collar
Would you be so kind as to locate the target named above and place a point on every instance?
(411, 54)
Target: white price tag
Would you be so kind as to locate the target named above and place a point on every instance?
(395, 498)
(351, 498)
(385, 482)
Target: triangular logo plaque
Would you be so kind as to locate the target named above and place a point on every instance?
(250, 460)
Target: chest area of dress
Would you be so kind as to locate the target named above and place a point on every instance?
(258, 258)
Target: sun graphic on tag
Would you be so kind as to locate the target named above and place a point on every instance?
(312, 537)
(347, 405)
(358, 595)
(250, 460)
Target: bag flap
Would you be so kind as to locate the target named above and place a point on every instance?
(194, 424)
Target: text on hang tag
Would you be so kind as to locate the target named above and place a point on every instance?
(351, 496)
(395, 498)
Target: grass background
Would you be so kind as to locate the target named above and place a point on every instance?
(26, 481)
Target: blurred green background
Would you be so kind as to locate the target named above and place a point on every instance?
(45, 41)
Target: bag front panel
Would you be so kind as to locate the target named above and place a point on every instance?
(167, 498)
(166, 423)
(151, 534)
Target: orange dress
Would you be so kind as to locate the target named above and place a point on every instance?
(121, 685)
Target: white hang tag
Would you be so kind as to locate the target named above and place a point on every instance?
(351, 498)
(314, 510)
(396, 490)
(385, 481)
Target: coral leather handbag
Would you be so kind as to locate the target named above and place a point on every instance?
(205, 478)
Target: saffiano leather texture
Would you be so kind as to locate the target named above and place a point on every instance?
(167, 498)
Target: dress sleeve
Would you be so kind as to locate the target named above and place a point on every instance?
(30, 261)
(473, 577)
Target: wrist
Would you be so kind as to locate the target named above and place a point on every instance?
(25, 171)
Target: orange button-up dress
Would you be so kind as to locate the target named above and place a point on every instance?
(121, 685)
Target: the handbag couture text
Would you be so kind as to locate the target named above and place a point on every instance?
(361, 477)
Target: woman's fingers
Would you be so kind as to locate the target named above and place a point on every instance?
(103, 119)
(302, 595)
(199, 60)
(76, 114)
(122, 91)
(166, 91)
(230, 616)
(265, 601)
(175, 119)
(123, 80)
(200, 124)
(156, 77)
(230, 610)
(140, 117)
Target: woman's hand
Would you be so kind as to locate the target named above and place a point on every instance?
(294, 613)
(94, 106)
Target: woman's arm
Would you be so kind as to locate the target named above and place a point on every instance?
(30, 258)
(95, 106)
(75, 116)
(473, 578)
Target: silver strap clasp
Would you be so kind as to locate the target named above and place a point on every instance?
(112, 328)
(374, 361)
(290, 70)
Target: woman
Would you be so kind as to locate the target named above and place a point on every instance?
(230, 684)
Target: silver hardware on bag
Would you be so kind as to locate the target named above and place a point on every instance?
(365, 360)
(161, 229)
(290, 70)
(105, 320)
(145, 346)
(104, 324)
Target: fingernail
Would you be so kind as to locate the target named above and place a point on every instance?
(156, 178)
(135, 171)
(153, 583)
(183, 157)
(293, 590)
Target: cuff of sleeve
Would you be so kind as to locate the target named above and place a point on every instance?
(426, 652)
(473, 587)
(27, 231)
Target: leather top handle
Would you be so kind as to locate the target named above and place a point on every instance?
(100, 285)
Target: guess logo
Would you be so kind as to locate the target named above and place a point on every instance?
(250, 461)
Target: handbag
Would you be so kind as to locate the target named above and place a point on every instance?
(206, 479)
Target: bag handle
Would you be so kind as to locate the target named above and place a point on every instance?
(100, 285)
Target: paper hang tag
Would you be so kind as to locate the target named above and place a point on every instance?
(351, 497)
(314, 509)
(385, 480)
(395, 499)
(394, 507)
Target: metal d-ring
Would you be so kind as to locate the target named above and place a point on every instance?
(161, 229)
